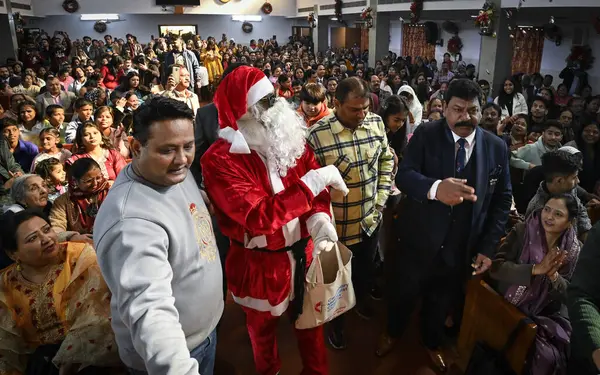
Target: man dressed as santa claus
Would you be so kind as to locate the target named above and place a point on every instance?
(271, 199)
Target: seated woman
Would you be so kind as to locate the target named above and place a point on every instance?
(29, 191)
(109, 121)
(91, 143)
(533, 268)
(54, 304)
(313, 103)
(76, 209)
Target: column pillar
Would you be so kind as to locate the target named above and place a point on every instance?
(379, 34)
(8, 33)
(495, 57)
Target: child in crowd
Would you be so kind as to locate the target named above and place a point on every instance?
(84, 109)
(53, 172)
(55, 118)
(28, 121)
(49, 147)
(530, 155)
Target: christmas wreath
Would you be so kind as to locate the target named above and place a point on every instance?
(267, 8)
(247, 27)
(454, 45)
(485, 19)
(415, 10)
(367, 17)
(581, 55)
(312, 21)
(71, 6)
(100, 27)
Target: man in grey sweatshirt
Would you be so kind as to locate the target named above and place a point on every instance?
(157, 251)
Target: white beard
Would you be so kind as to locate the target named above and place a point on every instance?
(278, 133)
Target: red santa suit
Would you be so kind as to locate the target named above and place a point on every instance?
(264, 215)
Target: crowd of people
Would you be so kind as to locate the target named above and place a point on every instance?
(141, 183)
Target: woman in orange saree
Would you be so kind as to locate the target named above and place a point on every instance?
(54, 303)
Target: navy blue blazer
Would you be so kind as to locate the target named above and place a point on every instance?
(429, 156)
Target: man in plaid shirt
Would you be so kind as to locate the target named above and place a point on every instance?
(353, 139)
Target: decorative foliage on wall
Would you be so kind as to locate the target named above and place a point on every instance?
(415, 10)
(367, 17)
(582, 55)
(454, 45)
(312, 21)
(485, 19)
(267, 8)
(247, 27)
(70, 6)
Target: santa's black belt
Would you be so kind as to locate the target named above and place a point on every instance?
(298, 250)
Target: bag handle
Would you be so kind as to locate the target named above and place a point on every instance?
(514, 334)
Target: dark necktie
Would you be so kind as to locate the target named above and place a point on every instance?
(461, 155)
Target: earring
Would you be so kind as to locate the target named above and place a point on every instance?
(19, 268)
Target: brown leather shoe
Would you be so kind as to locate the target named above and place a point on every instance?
(438, 360)
(385, 345)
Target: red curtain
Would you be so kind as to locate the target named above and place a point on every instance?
(528, 45)
(414, 43)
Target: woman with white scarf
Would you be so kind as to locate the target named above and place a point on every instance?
(415, 107)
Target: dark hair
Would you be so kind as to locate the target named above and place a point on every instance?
(27, 103)
(44, 168)
(538, 98)
(392, 105)
(11, 222)
(313, 93)
(352, 85)
(81, 102)
(560, 163)
(482, 82)
(505, 99)
(552, 124)
(80, 167)
(296, 82)
(6, 122)
(492, 105)
(570, 202)
(78, 146)
(156, 109)
(282, 78)
(463, 89)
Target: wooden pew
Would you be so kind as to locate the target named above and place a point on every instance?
(488, 317)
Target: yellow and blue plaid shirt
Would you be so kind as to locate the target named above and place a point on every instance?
(365, 161)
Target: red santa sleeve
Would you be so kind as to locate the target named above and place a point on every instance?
(241, 197)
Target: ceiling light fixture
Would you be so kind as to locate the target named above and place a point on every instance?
(99, 17)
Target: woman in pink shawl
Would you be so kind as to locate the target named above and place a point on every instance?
(533, 268)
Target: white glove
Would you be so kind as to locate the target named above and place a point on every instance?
(318, 179)
(322, 232)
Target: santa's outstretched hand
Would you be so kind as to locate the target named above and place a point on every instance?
(318, 179)
(323, 233)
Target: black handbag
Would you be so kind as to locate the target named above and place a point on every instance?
(488, 361)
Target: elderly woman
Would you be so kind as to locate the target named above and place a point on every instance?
(29, 191)
(54, 304)
(533, 268)
(313, 103)
(76, 209)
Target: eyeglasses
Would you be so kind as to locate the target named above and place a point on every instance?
(268, 100)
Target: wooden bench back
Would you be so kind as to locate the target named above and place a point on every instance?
(488, 317)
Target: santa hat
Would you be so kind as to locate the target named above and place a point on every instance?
(241, 89)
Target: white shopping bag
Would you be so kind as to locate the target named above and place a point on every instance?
(328, 290)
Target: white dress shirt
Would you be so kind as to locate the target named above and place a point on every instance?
(469, 145)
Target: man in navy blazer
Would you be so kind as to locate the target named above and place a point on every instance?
(456, 180)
